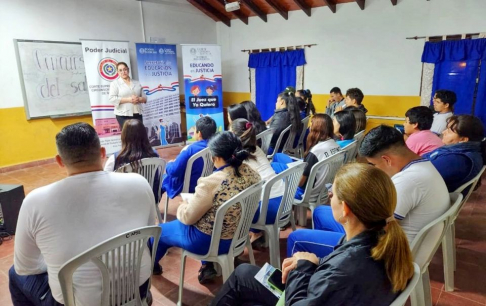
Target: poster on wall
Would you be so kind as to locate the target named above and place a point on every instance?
(202, 85)
(100, 59)
(157, 71)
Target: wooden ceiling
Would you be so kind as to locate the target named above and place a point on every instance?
(261, 8)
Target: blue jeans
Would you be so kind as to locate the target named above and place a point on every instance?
(321, 243)
(324, 220)
(187, 237)
(34, 290)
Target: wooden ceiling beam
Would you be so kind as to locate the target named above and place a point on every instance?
(304, 6)
(394, 2)
(238, 13)
(210, 11)
(331, 4)
(278, 8)
(255, 9)
(361, 4)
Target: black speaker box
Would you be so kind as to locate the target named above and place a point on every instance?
(11, 198)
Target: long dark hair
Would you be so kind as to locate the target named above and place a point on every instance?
(293, 110)
(307, 96)
(254, 116)
(347, 124)
(135, 144)
(237, 111)
(321, 129)
(228, 146)
(470, 127)
(245, 130)
(360, 118)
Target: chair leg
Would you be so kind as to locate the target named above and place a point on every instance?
(265, 237)
(426, 286)
(250, 251)
(454, 248)
(225, 267)
(292, 221)
(181, 278)
(417, 295)
(312, 207)
(166, 207)
(447, 253)
(301, 215)
(271, 246)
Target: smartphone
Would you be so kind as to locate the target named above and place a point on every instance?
(275, 280)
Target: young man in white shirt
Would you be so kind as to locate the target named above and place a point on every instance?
(422, 194)
(444, 101)
(62, 220)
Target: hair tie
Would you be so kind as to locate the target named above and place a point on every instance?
(248, 125)
(390, 219)
(233, 156)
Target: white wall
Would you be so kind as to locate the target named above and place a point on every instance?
(69, 20)
(365, 49)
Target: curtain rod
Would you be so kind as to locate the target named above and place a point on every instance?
(278, 48)
(424, 37)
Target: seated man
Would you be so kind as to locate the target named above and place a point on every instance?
(64, 219)
(336, 101)
(417, 130)
(173, 181)
(354, 98)
(422, 194)
(444, 101)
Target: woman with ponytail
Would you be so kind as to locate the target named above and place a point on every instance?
(195, 216)
(306, 95)
(371, 264)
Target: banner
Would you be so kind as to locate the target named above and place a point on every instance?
(100, 59)
(157, 71)
(202, 85)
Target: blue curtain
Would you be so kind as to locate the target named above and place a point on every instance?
(456, 68)
(273, 72)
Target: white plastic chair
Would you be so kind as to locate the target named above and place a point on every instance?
(359, 137)
(402, 298)
(291, 178)
(316, 192)
(265, 137)
(449, 244)
(424, 246)
(119, 260)
(249, 200)
(150, 168)
(351, 150)
(298, 151)
(208, 168)
(286, 131)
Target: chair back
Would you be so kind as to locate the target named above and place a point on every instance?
(284, 132)
(428, 240)
(248, 199)
(265, 137)
(208, 167)
(316, 191)
(291, 178)
(471, 184)
(151, 169)
(298, 151)
(351, 150)
(412, 283)
(359, 137)
(119, 260)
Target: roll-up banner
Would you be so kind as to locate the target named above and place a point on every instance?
(202, 85)
(157, 72)
(100, 59)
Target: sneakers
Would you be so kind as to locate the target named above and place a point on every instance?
(157, 269)
(206, 273)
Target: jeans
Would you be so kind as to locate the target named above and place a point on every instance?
(187, 237)
(242, 288)
(318, 242)
(34, 290)
(121, 119)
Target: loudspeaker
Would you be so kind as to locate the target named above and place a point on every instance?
(11, 198)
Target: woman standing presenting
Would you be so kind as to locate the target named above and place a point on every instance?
(127, 96)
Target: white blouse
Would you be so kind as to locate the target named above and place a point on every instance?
(119, 89)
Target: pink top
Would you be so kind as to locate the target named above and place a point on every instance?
(423, 142)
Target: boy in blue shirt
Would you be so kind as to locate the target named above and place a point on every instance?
(175, 170)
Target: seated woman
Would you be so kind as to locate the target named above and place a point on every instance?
(360, 118)
(194, 225)
(306, 95)
(320, 144)
(464, 151)
(371, 265)
(254, 116)
(286, 113)
(258, 161)
(302, 107)
(236, 111)
(344, 124)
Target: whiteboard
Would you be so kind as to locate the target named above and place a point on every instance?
(53, 78)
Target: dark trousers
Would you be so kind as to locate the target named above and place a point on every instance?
(34, 290)
(242, 288)
(121, 119)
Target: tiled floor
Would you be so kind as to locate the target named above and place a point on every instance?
(470, 235)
